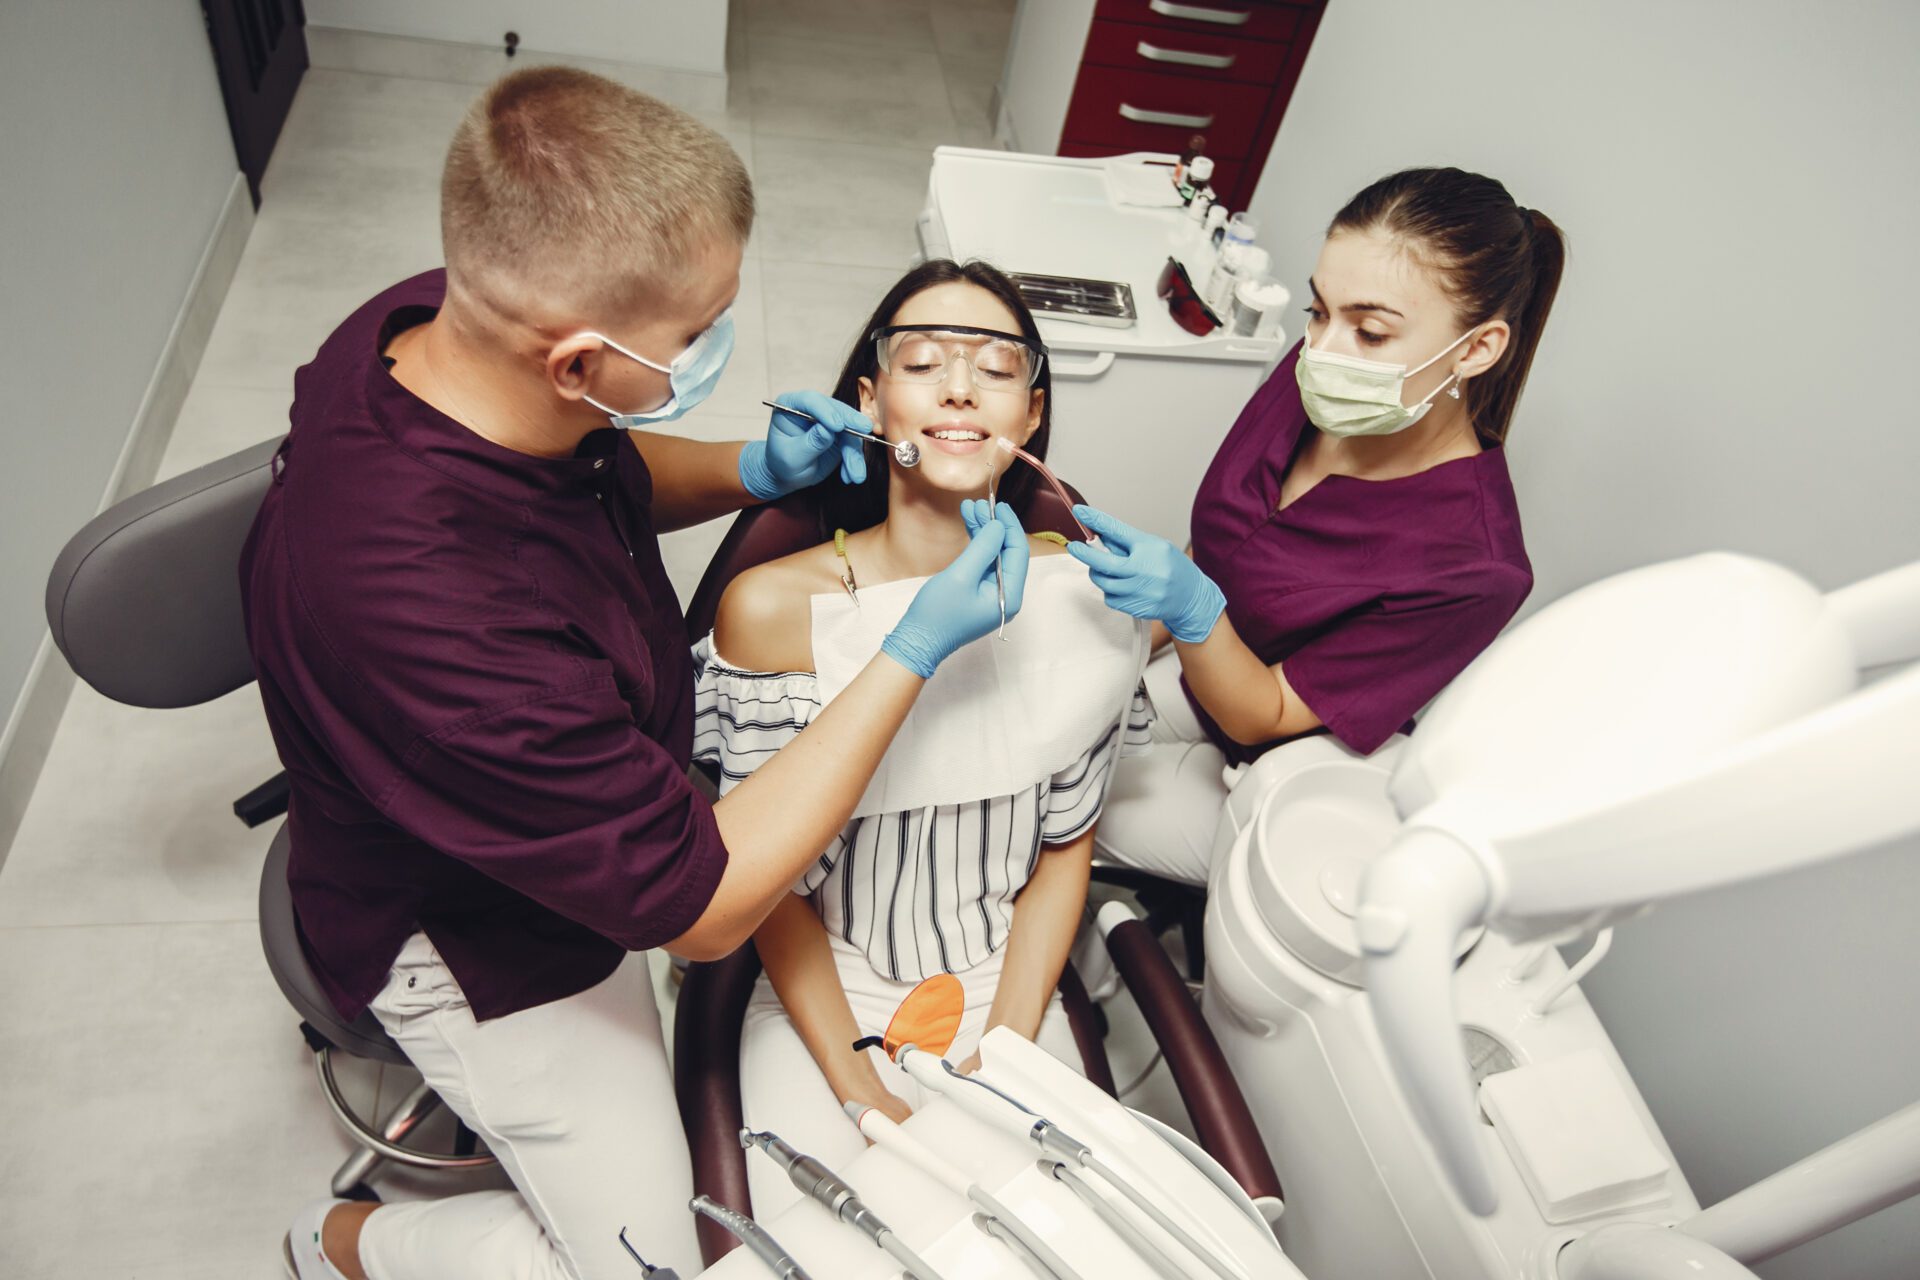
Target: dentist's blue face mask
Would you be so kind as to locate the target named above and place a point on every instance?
(692, 375)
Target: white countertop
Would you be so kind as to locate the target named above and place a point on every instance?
(1053, 215)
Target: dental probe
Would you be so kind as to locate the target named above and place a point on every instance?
(991, 1216)
(1011, 1116)
(647, 1269)
(999, 577)
(906, 452)
(752, 1235)
(820, 1183)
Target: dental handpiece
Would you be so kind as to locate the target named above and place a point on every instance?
(991, 1216)
(817, 1182)
(906, 452)
(1008, 1114)
(752, 1235)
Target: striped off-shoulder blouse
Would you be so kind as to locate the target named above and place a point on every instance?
(923, 891)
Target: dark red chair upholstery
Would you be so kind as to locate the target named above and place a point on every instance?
(713, 998)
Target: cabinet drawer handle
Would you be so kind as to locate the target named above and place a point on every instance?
(1200, 13)
(1101, 362)
(1141, 115)
(1154, 53)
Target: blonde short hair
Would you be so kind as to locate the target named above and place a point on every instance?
(565, 189)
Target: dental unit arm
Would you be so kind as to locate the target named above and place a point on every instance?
(1669, 730)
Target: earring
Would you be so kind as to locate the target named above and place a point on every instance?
(1454, 390)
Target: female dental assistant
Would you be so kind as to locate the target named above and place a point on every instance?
(1356, 540)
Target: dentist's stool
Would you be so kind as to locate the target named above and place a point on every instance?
(144, 602)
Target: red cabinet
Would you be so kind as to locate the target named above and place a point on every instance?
(1155, 72)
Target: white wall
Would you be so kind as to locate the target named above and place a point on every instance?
(117, 163)
(1728, 366)
(687, 35)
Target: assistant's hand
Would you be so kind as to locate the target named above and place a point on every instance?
(797, 453)
(961, 603)
(1148, 577)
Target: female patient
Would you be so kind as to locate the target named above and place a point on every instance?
(948, 903)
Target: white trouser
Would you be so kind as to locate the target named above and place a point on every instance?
(783, 1090)
(1164, 802)
(1166, 806)
(575, 1099)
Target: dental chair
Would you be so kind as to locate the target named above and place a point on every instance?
(144, 603)
(713, 998)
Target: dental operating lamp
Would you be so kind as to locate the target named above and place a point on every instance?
(1664, 732)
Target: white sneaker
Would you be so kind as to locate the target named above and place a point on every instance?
(300, 1251)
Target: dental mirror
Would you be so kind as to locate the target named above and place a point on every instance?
(905, 452)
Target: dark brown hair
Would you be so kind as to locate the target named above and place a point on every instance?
(862, 506)
(1492, 257)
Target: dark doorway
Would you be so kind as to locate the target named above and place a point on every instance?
(260, 51)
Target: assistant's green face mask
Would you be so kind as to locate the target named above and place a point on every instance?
(1348, 396)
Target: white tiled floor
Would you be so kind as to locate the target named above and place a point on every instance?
(158, 1117)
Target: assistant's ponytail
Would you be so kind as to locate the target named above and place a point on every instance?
(1491, 397)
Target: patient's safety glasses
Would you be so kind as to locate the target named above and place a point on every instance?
(1175, 288)
(923, 352)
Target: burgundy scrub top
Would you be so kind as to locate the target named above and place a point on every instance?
(477, 676)
(1373, 594)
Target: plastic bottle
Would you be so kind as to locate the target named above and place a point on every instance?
(1216, 223)
(1199, 178)
(1195, 145)
(1198, 208)
(1231, 266)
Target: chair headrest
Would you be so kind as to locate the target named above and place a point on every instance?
(144, 601)
(795, 522)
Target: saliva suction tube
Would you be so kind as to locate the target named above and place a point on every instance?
(1014, 451)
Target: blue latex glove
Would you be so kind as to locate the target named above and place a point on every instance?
(961, 603)
(798, 453)
(1148, 577)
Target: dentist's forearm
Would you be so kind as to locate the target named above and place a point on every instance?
(693, 481)
(778, 820)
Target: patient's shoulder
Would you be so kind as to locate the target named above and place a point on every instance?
(764, 622)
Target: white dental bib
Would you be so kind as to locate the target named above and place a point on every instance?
(998, 717)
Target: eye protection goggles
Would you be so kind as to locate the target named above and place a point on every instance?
(1175, 288)
(922, 353)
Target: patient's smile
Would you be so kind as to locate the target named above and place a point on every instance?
(955, 438)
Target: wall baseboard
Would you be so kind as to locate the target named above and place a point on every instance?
(418, 58)
(35, 715)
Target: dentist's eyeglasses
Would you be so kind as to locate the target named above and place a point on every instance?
(922, 353)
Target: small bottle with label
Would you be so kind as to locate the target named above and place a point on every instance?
(1195, 145)
(1199, 178)
(1231, 266)
(1215, 224)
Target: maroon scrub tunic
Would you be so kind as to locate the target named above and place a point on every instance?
(477, 677)
(1372, 594)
